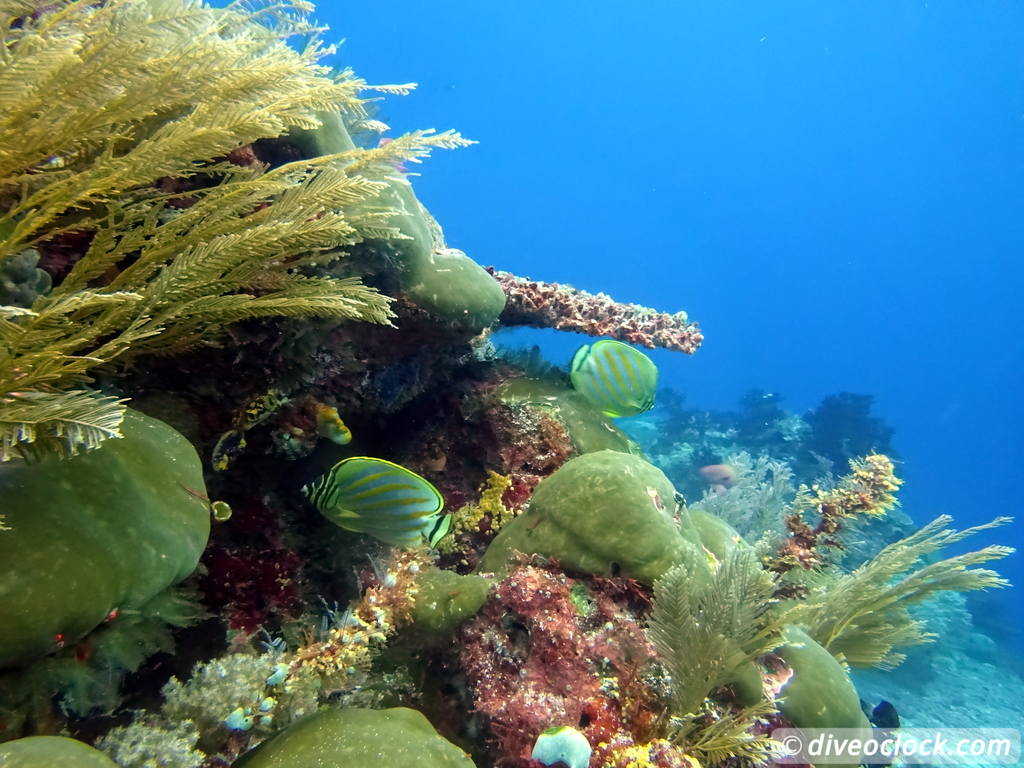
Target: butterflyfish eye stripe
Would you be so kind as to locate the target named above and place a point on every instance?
(440, 530)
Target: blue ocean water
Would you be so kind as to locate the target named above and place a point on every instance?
(832, 190)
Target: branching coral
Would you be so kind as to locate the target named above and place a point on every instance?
(344, 656)
(153, 746)
(226, 705)
(550, 305)
(868, 491)
(99, 107)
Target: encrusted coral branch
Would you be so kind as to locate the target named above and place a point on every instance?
(867, 491)
(564, 308)
(351, 645)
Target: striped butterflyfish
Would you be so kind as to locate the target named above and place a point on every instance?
(614, 377)
(382, 499)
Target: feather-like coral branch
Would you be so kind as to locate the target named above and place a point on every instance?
(101, 104)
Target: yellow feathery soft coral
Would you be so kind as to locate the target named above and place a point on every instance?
(104, 108)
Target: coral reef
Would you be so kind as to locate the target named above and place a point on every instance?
(842, 428)
(202, 219)
(550, 305)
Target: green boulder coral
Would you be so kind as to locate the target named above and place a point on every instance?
(820, 694)
(49, 751)
(605, 513)
(441, 280)
(100, 531)
(339, 738)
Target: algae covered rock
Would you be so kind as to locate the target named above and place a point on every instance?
(604, 513)
(50, 752)
(106, 529)
(342, 738)
(587, 427)
(820, 693)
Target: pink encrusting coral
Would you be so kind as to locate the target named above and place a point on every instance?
(564, 308)
(548, 650)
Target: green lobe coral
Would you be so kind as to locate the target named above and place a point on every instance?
(605, 513)
(101, 531)
(820, 694)
(49, 751)
(397, 738)
(441, 280)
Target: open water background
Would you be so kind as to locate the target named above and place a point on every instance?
(833, 190)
